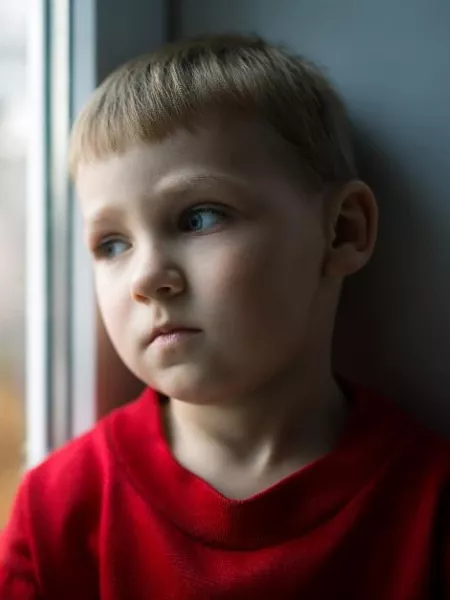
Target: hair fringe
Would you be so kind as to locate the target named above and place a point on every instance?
(151, 96)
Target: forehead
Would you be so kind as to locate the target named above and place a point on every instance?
(222, 150)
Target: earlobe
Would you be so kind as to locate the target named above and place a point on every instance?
(352, 229)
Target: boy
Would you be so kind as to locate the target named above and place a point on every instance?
(223, 212)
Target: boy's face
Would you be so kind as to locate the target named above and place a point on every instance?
(207, 230)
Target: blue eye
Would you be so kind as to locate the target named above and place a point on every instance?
(111, 248)
(199, 219)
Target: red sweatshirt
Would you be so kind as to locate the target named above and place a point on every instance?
(114, 516)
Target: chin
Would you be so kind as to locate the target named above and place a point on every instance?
(190, 386)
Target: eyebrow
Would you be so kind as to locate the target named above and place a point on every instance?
(180, 183)
(100, 216)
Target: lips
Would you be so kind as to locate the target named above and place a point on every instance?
(169, 329)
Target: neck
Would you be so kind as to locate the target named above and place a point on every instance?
(261, 437)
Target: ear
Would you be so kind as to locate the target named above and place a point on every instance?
(352, 226)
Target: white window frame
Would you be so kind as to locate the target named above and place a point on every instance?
(37, 346)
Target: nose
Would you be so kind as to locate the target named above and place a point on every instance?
(156, 278)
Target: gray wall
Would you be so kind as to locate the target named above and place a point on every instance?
(125, 29)
(391, 60)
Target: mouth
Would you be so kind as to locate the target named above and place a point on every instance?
(169, 335)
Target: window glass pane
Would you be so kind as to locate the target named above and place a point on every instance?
(13, 145)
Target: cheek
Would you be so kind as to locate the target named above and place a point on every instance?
(113, 307)
(260, 289)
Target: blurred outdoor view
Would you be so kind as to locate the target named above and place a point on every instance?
(13, 145)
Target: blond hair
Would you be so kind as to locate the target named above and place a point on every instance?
(151, 96)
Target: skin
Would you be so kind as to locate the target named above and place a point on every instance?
(212, 229)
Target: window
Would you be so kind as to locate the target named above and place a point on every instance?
(13, 169)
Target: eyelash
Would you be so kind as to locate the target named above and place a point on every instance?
(100, 250)
(216, 210)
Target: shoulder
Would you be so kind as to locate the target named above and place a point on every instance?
(75, 474)
(427, 444)
(415, 442)
(59, 502)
